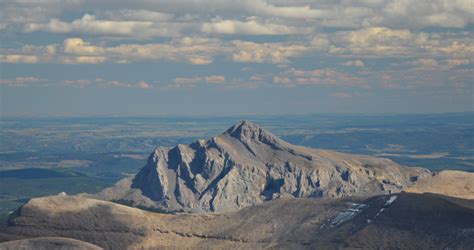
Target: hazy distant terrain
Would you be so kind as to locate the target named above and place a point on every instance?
(90, 153)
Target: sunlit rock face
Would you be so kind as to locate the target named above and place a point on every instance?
(247, 165)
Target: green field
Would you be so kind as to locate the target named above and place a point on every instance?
(16, 191)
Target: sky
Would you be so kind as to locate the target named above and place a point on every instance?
(209, 57)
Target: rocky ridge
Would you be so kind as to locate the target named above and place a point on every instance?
(404, 220)
(448, 182)
(247, 165)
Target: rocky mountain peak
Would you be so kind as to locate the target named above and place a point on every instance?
(247, 165)
(246, 130)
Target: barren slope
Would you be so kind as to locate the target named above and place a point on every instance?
(397, 221)
(451, 183)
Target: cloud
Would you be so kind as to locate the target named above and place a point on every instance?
(193, 50)
(458, 62)
(143, 85)
(86, 53)
(463, 49)
(277, 53)
(396, 43)
(438, 13)
(79, 47)
(215, 79)
(294, 12)
(146, 19)
(423, 74)
(88, 60)
(136, 15)
(88, 24)
(35, 11)
(407, 44)
(25, 81)
(368, 43)
(29, 54)
(103, 83)
(200, 60)
(250, 27)
(22, 81)
(186, 81)
(193, 81)
(425, 63)
(318, 77)
(375, 40)
(15, 58)
(80, 83)
(356, 63)
(320, 43)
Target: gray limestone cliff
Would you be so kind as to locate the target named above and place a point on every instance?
(247, 165)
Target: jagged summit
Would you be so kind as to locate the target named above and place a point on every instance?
(247, 165)
(244, 126)
(246, 131)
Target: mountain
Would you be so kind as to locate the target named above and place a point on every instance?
(404, 220)
(247, 165)
(268, 194)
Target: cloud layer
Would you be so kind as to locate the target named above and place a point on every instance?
(345, 46)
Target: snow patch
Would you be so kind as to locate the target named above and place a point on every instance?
(344, 216)
(381, 211)
(387, 204)
(390, 200)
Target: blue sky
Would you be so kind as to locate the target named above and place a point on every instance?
(78, 57)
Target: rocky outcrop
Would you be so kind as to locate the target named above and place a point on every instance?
(449, 182)
(247, 165)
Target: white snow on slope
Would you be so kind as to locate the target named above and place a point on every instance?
(344, 216)
(387, 204)
(390, 200)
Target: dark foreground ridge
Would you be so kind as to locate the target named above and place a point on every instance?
(404, 220)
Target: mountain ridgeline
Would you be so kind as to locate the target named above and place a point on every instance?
(247, 165)
(267, 194)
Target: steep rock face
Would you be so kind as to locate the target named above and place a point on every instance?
(247, 165)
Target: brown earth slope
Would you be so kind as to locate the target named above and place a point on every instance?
(451, 183)
(402, 220)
